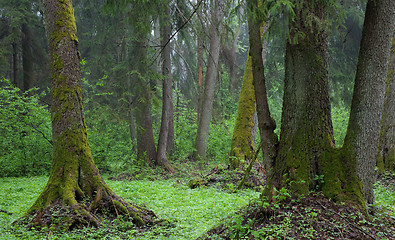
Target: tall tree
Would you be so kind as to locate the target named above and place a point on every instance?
(167, 92)
(217, 14)
(361, 141)
(74, 179)
(266, 124)
(306, 147)
(386, 157)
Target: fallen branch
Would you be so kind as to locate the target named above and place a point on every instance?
(6, 212)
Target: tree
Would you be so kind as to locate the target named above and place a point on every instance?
(243, 145)
(217, 15)
(167, 93)
(361, 141)
(386, 157)
(266, 124)
(75, 185)
(306, 149)
(307, 152)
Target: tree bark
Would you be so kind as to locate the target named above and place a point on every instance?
(306, 129)
(386, 158)
(361, 141)
(75, 185)
(27, 58)
(167, 94)
(266, 123)
(146, 152)
(211, 76)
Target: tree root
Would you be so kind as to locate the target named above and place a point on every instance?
(87, 213)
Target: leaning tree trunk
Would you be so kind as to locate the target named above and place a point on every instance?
(161, 158)
(361, 142)
(75, 191)
(386, 157)
(211, 76)
(266, 123)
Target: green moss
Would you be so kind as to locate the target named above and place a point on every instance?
(242, 145)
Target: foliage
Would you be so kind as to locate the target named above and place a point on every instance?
(186, 213)
(25, 127)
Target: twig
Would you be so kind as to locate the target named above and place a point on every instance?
(345, 219)
(248, 170)
(6, 212)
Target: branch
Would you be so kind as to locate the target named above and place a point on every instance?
(174, 34)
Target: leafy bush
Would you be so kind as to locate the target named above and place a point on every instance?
(25, 133)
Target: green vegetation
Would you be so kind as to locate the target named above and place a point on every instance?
(185, 213)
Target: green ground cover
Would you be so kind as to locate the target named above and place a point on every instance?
(189, 213)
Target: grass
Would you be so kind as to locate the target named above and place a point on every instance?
(189, 212)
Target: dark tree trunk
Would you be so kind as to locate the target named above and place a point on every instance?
(211, 77)
(167, 94)
(361, 142)
(27, 58)
(142, 111)
(386, 158)
(306, 129)
(266, 124)
(75, 185)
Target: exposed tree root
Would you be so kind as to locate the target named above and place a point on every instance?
(87, 212)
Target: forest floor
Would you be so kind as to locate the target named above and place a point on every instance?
(212, 209)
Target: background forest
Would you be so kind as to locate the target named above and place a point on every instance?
(162, 83)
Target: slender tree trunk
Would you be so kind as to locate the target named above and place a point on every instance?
(200, 76)
(27, 58)
(211, 76)
(233, 61)
(386, 158)
(15, 64)
(75, 191)
(142, 111)
(361, 141)
(167, 94)
(266, 124)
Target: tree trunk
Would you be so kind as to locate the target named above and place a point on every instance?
(146, 152)
(211, 76)
(361, 141)
(306, 129)
(386, 158)
(266, 124)
(27, 58)
(233, 61)
(75, 185)
(167, 94)
(243, 145)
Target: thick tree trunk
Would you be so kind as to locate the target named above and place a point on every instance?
(306, 129)
(27, 58)
(211, 76)
(266, 124)
(75, 185)
(167, 94)
(243, 145)
(361, 142)
(386, 157)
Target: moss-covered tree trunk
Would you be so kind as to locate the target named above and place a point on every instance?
(361, 142)
(266, 124)
(306, 129)
(386, 157)
(75, 193)
(243, 146)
